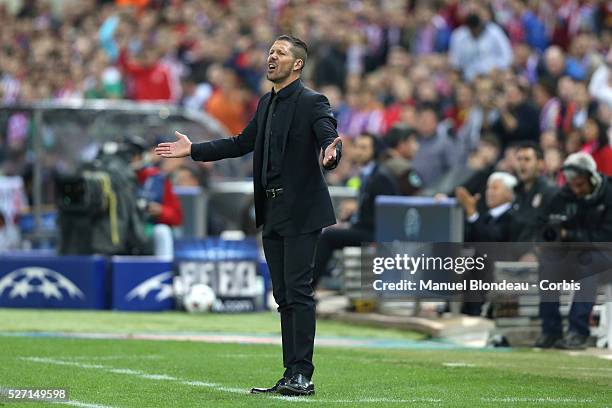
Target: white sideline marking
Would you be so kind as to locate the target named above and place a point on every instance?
(587, 368)
(115, 357)
(544, 399)
(71, 402)
(82, 404)
(213, 386)
(458, 365)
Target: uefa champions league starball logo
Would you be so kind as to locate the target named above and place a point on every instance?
(156, 282)
(34, 279)
(412, 224)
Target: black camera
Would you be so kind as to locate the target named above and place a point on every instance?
(552, 231)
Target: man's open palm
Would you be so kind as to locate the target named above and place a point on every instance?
(180, 148)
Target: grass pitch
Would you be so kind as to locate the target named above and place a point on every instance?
(101, 373)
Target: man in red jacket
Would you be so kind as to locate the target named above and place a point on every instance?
(150, 76)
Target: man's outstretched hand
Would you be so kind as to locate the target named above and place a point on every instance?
(180, 148)
(329, 156)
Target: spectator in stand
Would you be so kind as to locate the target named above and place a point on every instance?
(228, 102)
(437, 153)
(479, 46)
(554, 65)
(545, 97)
(402, 147)
(532, 194)
(600, 86)
(150, 78)
(595, 136)
(518, 117)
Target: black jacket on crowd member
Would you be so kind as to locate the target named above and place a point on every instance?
(588, 219)
(491, 229)
(301, 112)
(380, 182)
(528, 128)
(528, 208)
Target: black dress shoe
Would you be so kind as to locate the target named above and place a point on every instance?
(297, 385)
(270, 390)
(547, 340)
(573, 341)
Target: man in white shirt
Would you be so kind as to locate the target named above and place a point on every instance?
(479, 47)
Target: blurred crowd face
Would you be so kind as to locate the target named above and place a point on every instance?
(580, 186)
(514, 95)
(484, 92)
(497, 194)
(281, 62)
(408, 148)
(548, 139)
(554, 60)
(184, 177)
(529, 167)
(363, 150)
(427, 123)
(590, 131)
(566, 88)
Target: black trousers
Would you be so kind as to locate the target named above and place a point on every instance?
(337, 238)
(290, 259)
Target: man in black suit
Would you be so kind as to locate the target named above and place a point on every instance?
(290, 129)
(496, 225)
(375, 180)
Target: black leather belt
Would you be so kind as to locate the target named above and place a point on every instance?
(274, 192)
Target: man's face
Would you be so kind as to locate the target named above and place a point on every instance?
(363, 150)
(280, 62)
(408, 148)
(497, 194)
(580, 186)
(528, 166)
(428, 123)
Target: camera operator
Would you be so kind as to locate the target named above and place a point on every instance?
(580, 212)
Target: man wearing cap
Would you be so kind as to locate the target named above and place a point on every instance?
(290, 129)
(581, 212)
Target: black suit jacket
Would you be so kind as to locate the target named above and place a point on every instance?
(306, 126)
(487, 229)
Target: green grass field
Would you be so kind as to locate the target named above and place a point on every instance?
(102, 372)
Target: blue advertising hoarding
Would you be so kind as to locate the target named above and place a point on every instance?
(75, 282)
(142, 283)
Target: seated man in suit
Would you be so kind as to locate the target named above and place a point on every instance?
(494, 226)
(375, 180)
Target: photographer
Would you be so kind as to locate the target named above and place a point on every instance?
(581, 213)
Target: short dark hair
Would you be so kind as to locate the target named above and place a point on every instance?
(377, 145)
(398, 134)
(299, 49)
(428, 106)
(531, 145)
(491, 140)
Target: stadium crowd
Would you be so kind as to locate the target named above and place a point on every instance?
(462, 74)
(471, 80)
